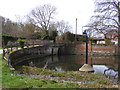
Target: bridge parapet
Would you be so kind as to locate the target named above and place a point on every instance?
(30, 53)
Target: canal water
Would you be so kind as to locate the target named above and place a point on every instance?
(104, 65)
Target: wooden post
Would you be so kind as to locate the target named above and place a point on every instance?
(33, 44)
(3, 53)
(11, 48)
(27, 45)
(8, 56)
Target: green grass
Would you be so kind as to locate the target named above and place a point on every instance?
(12, 80)
(0, 70)
(75, 76)
(0, 47)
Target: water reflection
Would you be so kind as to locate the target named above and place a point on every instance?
(104, 70)
(103, 65)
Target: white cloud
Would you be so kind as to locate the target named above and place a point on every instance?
(67, 10)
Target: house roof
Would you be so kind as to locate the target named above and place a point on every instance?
(98, 39)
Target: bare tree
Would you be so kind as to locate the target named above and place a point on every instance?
(106, 18)
(100, 25)
(42, 16)
(63, 27)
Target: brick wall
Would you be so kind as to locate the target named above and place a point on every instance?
(96, 60)
(95, 49)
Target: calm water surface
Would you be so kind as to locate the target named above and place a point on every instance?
(107, 66)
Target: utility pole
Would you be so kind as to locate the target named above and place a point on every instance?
(76, 31)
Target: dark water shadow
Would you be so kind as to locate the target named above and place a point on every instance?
(108, 66)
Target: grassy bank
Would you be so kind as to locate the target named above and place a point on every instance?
(0, 70)
(43, 78)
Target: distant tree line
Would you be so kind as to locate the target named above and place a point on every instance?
(38, 24)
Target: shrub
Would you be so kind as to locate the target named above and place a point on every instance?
(21, 42)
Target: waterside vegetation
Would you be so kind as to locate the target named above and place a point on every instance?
(33, 77)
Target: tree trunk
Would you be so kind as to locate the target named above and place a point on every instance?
(119, 31)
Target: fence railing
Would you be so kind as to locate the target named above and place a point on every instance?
(6, 56)
(15, 46)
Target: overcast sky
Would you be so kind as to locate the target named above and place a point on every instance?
(67, 10)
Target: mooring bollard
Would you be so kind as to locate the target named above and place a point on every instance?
(8, 56)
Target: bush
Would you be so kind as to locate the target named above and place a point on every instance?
(21, 42)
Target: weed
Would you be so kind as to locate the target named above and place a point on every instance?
(53, 81)
(12, 80)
